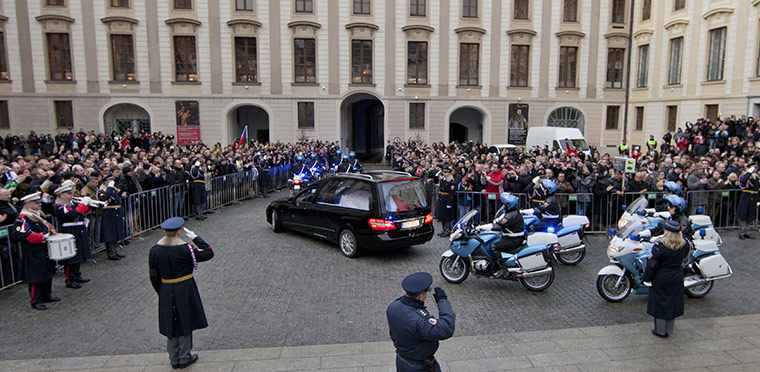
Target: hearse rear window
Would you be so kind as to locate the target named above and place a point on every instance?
(399, 196)
(347, 193)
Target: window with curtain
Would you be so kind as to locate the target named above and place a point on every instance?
(416, 116)
(4, 73)
(618, 11)
(417, 62)
(518, 72)
(59, 57)
(469, 64)
(672, 118)
(185, 59)
(64, 114)
(305, 115)
(646, 10)
(304, 6)
(679, 4)
(613, 116)
(568, 64)
(5, 122)
(417, 8)
(717, 56)
(361, 61)
(640, 118)
(642, 79)
(183, 4)
(55, 2)
(615, 68)
(244, 5)
(246, 68)
(120, 3)
(521, 9)
(123, 57)
(305, 60)
(676, 55)
(470, 8)
(361, 7)
(570, 11)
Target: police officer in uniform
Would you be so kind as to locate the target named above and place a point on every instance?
(71, 220)
(414, 331)
(31, 230)
(198, 189)
(113, 226)
(444, 209)
(344, 166)
(549, 210)
(512, 226)
(746, 210)
(356, 166)
(180, 310)
(623, 148)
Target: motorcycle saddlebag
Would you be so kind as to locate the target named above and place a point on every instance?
(713, 265)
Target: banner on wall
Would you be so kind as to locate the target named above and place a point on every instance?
(188, 122)
(517, 123)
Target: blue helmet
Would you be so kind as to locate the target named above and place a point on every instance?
(672, 187)
(337, 152)
(676, 201)
(313, 155)
(345, 157)
(299, 158)
(510, 201)
(352, 154)
(549, 186)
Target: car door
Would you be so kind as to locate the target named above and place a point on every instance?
(351, 202)
(300, 207)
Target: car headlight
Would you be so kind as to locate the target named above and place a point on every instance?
(611, 249)
(622, 222)
(455, 235)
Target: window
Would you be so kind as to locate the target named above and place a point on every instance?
(361, 61)
(615, 68)
(120, 3)
(417, 8)
(416, 66)
(4, 74)
(305, 115)
(640, 118)
(672, 118)
(618, 11)
(123, 58)
(304, 6)
(361, 7)
(521, 9)
(416, 116)
(468, 64)
(676, 51)
(246, 68)
(4, 121)
(613, 113)
(646, 10)
(346, 193)
(64, 115)
(711, 112)
(679, 4)
(245, 5)
(56, 3)
(643, 77)
(570, 13)
(59, 54)
(183, 4)
(518, 73)
(185, 61)
(470, 8)
(717, 54)
(305, 55)
(568, 64)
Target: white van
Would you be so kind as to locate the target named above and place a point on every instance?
(556, 138)
(495, 150)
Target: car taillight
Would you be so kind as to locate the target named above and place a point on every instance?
(381, 225)
(429, 218)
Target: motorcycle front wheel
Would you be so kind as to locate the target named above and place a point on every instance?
(539, 283)
(453, 270)
(699, 291)
(605, 285)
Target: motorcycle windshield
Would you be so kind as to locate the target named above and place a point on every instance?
(628, 229)
(638, 205)
(466, 218)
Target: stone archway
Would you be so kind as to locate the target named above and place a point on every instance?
(466, 124)
(255, 117)
(126, 116)
(363, 126)
(567, 117)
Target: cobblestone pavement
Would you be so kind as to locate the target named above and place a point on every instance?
(270, 290)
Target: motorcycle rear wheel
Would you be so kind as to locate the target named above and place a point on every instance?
(454, 274)
(539, 283)
(605, 285)
(699, 291)
(571, 258)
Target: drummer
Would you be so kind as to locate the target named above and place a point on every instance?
(71, 220)
(30, 230)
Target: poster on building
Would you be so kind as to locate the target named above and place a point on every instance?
(188, 122)
(518, 123)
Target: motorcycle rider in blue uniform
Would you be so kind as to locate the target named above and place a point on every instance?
(356, 166)
(344, 166)
(548, 212)
(299, 167)
(414, 331)
(512, 226)
(671, 188)
(677, 207)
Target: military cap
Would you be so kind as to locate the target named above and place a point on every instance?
(173, 224)
(417, 283)
(34, 197)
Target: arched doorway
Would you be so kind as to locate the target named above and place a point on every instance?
(255, 117)
(466, 124)
(126, 116)
(363, 125)
(567, 117)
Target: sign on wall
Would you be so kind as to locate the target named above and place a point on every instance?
(517, 123)
(188, 122)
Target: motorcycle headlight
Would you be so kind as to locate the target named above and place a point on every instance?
(456, 235)
(611, 249)
(622, 222)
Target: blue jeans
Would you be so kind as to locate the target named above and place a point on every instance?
(179, 203)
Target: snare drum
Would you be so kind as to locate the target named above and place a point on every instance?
(61, 247)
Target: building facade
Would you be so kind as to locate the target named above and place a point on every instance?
(368, 71)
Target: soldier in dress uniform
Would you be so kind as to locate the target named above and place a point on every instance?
(414, 331)
(31, 231)
(71, 220)
(198, 189)
(746, 210)
(112, 227)
(180, 310)
(444, 209)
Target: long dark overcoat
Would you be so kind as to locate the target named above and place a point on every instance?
(665, 272)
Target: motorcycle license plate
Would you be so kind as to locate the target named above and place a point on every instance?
(297, 187)
(410, 224)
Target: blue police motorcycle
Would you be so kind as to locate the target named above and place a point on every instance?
(571, 249)
(469, 251)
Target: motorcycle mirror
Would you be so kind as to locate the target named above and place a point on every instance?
(623, 207)
(702, 233)
(611, 231)
(635, 237)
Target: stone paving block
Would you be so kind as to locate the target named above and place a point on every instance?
(380, 347)
(6, 365)
(320, 350)
(753, 367)
(354, 369)
(494, 364)
(615, 330)
(548, 335)
(459, 352)
(525, 348)
(590, 343)
(568, 357)
(389, 369)
(116, 369)
(661, 364)
(728, 331)
(746, 356)
(642, 351)
(722, 344)
(343, 361)
(76, 363)
(275, 365)
(137, 360)
(754, 340)
(240, 354)
(568, 368)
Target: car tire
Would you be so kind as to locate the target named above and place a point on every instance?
(347, 243)
(276, 223)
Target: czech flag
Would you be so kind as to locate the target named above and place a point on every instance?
(243, 136)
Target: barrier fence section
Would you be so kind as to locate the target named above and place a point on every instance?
(10, 259)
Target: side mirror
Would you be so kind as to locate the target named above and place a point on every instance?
(623, 207)
(612, 232)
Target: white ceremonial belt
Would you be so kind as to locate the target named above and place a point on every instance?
(67, 224)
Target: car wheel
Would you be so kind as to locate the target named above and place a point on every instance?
(347, 243)
(276, 223)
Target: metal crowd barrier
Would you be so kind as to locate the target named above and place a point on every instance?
(10, 259)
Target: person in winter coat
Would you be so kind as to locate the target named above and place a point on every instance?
(746, 211)
(665, 273)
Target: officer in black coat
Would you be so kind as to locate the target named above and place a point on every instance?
(746, 210)
(180, 310)
(198, 190)
(445, 209)
(71, 220)
(113, 227)
(30, 230)
(414, 331)
(664, 271)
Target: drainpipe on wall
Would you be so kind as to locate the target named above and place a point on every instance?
(628, 75)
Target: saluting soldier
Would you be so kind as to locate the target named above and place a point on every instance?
(31, 230)
(746, 210)
(112, 227)
(180, 310)
(71, 220)
(414, 331)
(198, 189)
